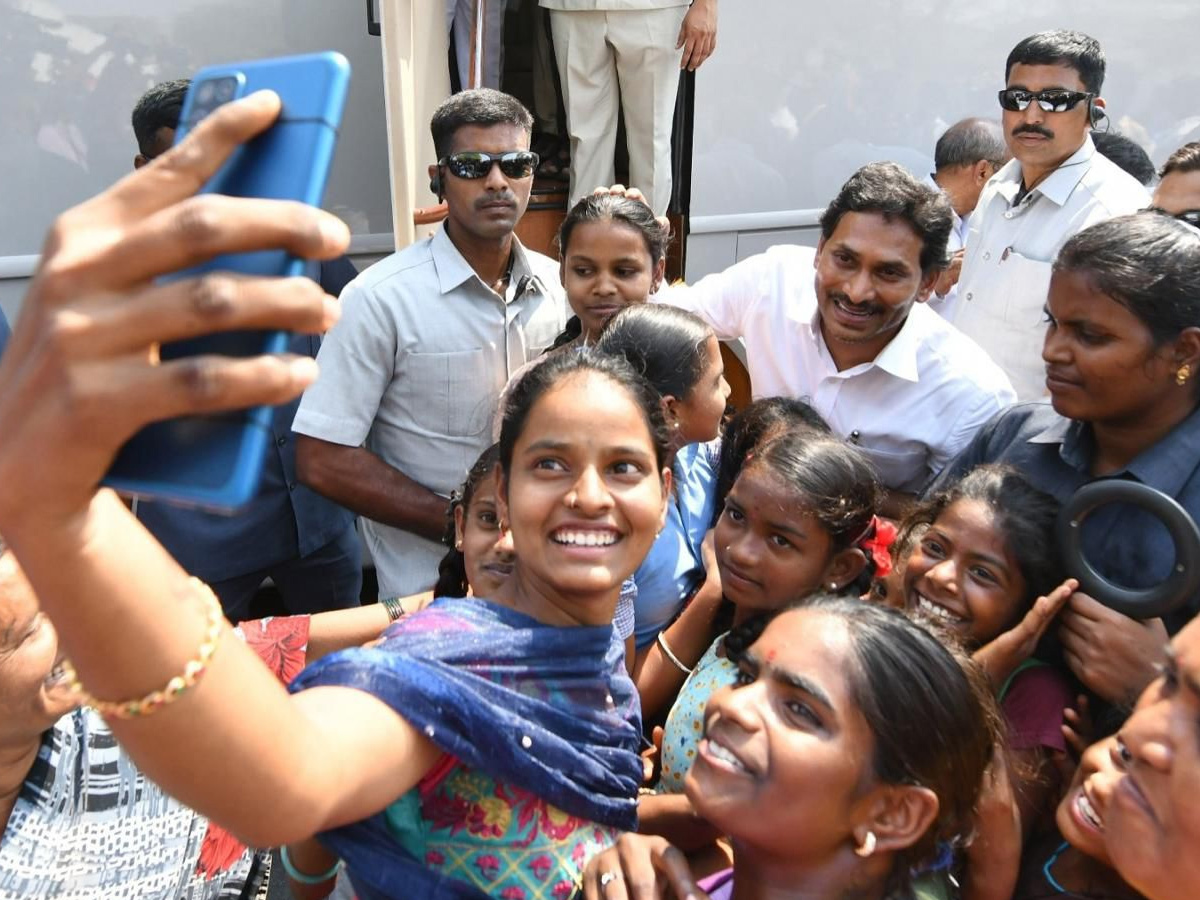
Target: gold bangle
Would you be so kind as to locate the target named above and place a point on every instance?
(193, 671)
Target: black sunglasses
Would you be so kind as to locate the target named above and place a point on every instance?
(475, 164)
(1050, 101)
(1191, 216)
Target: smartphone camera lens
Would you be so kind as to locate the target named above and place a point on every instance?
(204, 93)
(224, 89)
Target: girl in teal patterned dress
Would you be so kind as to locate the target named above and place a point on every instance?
(790, 526)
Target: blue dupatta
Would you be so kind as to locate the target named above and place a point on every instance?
(548, 709)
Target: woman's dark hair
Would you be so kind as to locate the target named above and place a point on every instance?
(554, 369)
(611, 208)
(829, 479)
(1148, 262)
(930, 712)
(452, 570)
(666, 345)
(744, 432)
(1026, 518)
(623, 210)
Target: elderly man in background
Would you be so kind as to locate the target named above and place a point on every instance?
(1056, 185)
(966, 155)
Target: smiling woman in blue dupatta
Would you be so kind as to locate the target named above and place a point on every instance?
(508, 720)
(537, 724)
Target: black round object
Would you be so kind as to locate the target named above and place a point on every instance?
(1147, 603)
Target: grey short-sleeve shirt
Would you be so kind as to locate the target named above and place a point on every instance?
(413, 371)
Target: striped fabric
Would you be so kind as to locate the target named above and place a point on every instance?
(88, 825)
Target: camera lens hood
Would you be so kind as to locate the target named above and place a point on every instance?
(1146, 603)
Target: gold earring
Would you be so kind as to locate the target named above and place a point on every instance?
(1182, 374)
(867, 847)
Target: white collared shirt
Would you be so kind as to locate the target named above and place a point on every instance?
(1011, 248)
(911, 409)
(413, 371)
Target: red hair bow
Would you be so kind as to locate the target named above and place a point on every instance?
(878, 544)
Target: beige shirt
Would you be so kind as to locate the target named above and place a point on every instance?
(413, 371)
(1011, 247)
(610, 5)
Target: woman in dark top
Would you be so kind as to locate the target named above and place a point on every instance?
(1122, 354)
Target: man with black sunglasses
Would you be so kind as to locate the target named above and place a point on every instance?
(412, 372)
(1055, 186)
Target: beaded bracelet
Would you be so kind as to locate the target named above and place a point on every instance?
(193, 671)
(302, 877)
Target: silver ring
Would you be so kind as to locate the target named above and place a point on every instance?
(607, 878)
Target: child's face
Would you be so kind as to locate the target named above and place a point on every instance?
(487, 554)
(605, 268)
(963, 574)
(698, 416)
(770, 550)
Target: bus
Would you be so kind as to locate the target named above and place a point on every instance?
(795, 98)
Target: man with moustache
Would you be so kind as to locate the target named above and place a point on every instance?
(1055, 186)
(856, 340)
(412, 372)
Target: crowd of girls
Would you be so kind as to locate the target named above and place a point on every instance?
(486, 743)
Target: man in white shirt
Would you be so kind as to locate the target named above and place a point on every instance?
(624, 56)
(966, 155)
(1056, 186)
(411, 373)
(856, 339)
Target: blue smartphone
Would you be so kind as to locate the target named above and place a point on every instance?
(215, 461)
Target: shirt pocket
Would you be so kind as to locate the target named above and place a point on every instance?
(1026, 282)
(900, 470)
(453, 388)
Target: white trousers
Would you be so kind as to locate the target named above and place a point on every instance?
(614, 60)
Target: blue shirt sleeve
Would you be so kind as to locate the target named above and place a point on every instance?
(4, 331)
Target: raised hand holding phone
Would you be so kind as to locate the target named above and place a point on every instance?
(83, 371)
(216, 460)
